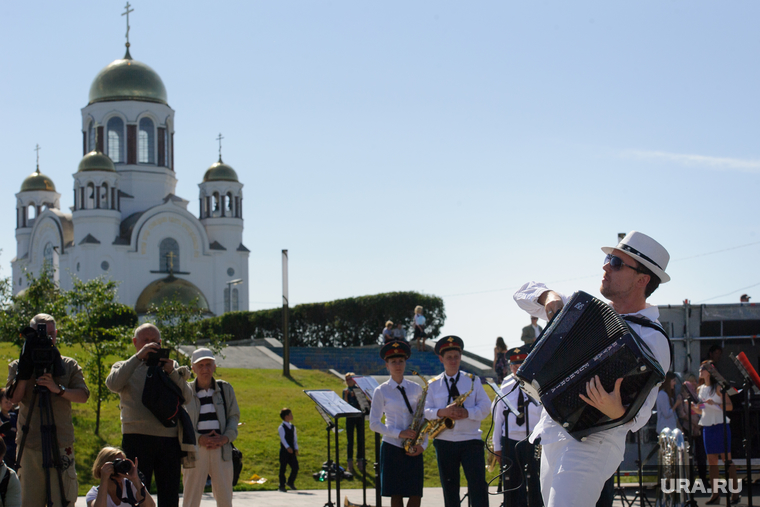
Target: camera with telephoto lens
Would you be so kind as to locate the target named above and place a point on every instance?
(41, 349)
(121, 466)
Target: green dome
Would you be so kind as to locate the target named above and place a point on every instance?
(127, 79)
(96, 161)
(167, 288)
(37, 181)
(220, 172)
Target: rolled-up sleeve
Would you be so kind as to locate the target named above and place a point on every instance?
(527, 296)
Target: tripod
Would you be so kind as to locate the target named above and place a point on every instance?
(51, 456)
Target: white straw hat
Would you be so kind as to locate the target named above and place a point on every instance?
(646, 251)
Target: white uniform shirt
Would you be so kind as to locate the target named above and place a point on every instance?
(388, 400)
(284, 442)
(478, 406)
(526, 298)
(515, 432)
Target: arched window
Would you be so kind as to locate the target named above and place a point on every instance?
(217, 205)
(168, 254)
(90, 196)
(31, 214)
(230, 205)
(116, 139)
(91, 136)
(47, 254)
(146, 139)
(104, 196)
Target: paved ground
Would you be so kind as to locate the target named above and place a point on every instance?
(432, 497)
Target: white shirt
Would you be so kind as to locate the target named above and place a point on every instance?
(126, 483)
(387, 399)
(526, 298)
(281, 431)
(478, 406)
(419, 319)
(536, 329)
(515, 432)
(711, 414)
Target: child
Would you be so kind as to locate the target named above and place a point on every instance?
(10, 487)
(288, 449)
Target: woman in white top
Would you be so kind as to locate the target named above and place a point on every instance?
(117, 488)
(419, 329)
(401, 472)
(667, 404)
(711, 410)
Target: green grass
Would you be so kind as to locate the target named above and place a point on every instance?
(261, 394)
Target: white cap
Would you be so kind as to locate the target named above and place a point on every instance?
(201, 354)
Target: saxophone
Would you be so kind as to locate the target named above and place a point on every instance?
(434, 428)
(419, 423)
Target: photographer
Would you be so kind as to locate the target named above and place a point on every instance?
(42, 365)
(154, 447)
(120, 482)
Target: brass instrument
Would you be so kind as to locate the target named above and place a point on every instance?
(434, 428)
(673, 460)
(419, 422)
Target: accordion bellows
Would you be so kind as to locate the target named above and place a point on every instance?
(585, 339)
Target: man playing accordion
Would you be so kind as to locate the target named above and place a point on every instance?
(573, 472)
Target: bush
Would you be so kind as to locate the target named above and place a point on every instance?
(340, 323)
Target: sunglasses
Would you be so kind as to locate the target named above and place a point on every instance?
(616, 263)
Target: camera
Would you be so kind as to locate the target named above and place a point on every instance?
(154, 358)
(41, 349)
(121, 466)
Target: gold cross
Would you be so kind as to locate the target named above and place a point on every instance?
(37, 149)
(170, 256)
(220, 145)
(126, 12)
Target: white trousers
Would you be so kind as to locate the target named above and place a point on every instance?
(573, 473)
(208, 462)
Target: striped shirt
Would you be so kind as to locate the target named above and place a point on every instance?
(207, 419)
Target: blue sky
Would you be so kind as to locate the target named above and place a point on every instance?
(457, 149)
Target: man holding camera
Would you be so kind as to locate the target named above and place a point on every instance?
(41, 367)
(156, 447)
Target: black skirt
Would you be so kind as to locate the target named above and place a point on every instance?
(400, 474)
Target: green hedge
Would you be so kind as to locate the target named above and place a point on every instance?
(340, 323)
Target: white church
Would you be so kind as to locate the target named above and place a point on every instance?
(126, 222)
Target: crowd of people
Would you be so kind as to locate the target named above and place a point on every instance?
(179, 430)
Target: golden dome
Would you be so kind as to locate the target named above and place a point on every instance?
(220, 172)
(127, 79)
(96, 161)
(37, 181)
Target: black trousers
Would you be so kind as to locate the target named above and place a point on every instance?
(521, 456)
(286, 459)
(468, 454)
(159, 455)
(355, 424)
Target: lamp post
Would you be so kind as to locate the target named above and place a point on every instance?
(230, 283)
(285, 304)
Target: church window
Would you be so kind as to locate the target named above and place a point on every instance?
(78, 266)
(168, 252)
(31, 214)
(230, 272)
(116, 139)
(217, 205)
(90, 196)
(104, 265)
(146, 142)
(91, 136)
(103, 196)
(230, 205)
(235, 305)
(162, 141)
(47, 254)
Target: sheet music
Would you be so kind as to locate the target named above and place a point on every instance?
(730, 391)
(500, 394)
(367, 385)
(331, 403)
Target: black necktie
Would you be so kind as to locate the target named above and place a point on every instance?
(406, 400)
(520, 408)
(453, 391)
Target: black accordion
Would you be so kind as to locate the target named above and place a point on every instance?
(585, 339)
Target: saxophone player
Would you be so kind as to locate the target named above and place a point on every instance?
(461, 445)
(401, 472)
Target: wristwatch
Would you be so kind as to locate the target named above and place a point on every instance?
(62, 390)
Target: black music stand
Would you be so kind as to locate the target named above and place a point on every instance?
(641, 494)
(748, 384)
(727, 390)
(330, 426)
(334, 407)
(366, 387)
(691, 397)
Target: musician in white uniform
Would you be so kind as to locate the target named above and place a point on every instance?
(463, 444)
(572, 472)
(401, 473)
(515, 446)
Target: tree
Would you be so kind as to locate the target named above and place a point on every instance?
(41, 296)
(102, 327)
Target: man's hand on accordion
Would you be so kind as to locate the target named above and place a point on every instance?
(609, 404)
